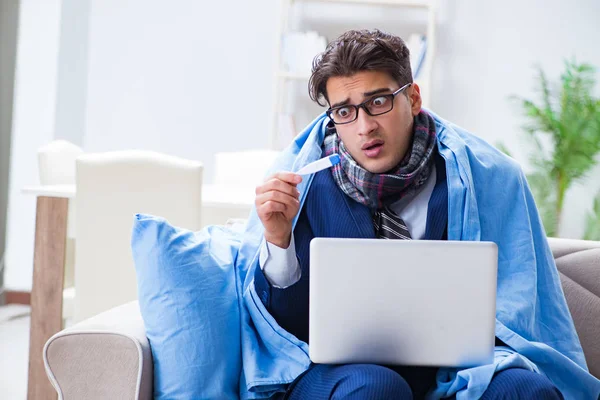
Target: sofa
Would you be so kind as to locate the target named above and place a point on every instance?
(108, 356)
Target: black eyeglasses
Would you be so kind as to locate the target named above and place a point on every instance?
(376, 105)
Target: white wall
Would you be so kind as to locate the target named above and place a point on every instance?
(190, 79)
(184, 77)
(71, 92)
(33, 125)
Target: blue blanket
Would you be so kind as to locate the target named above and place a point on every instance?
(488, 199)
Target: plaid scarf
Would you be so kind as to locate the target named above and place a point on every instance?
(378, 190)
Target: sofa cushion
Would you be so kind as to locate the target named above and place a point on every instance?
(188, 300)
(582, 267)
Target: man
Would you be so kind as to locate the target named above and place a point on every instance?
(407, 175)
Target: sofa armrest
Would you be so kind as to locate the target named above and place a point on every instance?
(105, 357)
(578, 263)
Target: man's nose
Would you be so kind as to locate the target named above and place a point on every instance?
(366, 124)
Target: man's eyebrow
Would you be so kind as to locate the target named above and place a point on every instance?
(365, 94)
(376, 91)
(341, 103)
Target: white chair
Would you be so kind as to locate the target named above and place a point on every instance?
(56, 166)
(111, 189)
(236, 176)
(56, 162)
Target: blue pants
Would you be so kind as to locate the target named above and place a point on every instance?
(373, 382)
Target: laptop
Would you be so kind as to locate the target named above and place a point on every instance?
(402, 302)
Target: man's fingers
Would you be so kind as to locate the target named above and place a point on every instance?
(289, 177)
(276, 196)
(290, 212)
(271, 207)
(278, 185)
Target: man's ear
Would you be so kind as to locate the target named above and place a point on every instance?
(414, 97)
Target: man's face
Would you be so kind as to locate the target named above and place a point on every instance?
(377, 143)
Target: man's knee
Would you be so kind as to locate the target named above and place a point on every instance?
(518, 383)
(367, 381)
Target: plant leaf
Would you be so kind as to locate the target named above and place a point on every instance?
(569, 115)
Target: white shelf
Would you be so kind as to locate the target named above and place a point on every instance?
(281, 77)
(394, 3)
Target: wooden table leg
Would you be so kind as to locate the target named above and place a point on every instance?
(47, 289)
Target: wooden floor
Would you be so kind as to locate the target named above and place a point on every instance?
(14, 348)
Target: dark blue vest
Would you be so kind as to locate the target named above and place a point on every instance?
(329, 212)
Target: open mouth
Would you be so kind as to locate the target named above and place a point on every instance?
(372, 148)
(372, 144)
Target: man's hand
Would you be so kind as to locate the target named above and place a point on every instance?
(277, 203)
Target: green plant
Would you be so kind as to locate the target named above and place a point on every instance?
(565, 130)
(592, 228)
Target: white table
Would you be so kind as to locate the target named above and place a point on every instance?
(219, 203)
(213, 195)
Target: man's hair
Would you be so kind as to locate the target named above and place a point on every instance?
(356, 51)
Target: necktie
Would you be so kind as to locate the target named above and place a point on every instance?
(390, 226)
